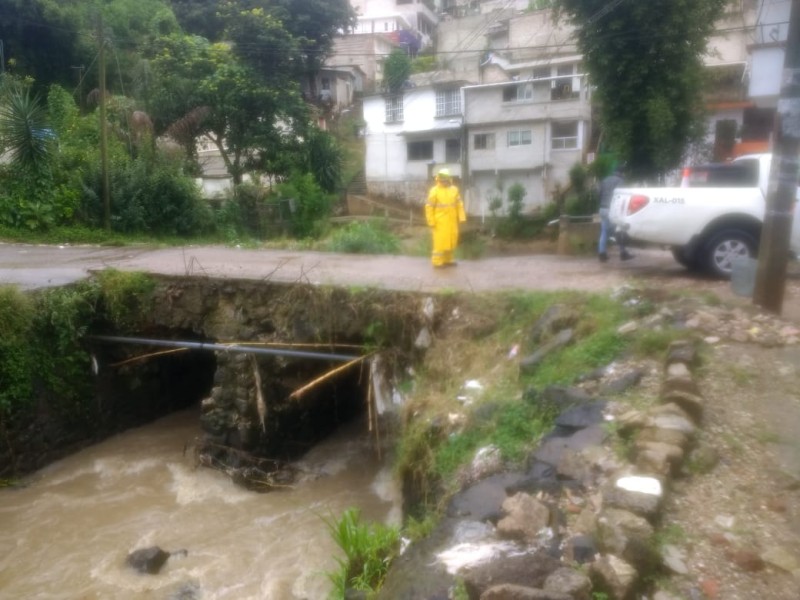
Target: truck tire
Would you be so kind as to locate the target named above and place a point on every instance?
(683, 257)
(724, 247)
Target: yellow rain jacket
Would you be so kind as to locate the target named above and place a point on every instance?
(443, 212)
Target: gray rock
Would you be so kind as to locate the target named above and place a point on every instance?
(581, 549)
(673, 437)
(529, 363)
(483, 501)
(527, 570)
(658, 458)
(691, 403)
(641, 503)
(148, 560)
(684, 352)
(584, 415)
(783, 558)
(525, 518)
(674, 559)
(625, 534)
(552, 448)
(555, 318)
(679, 384)
(569, 582)
(612, 574)
(622, 383)
(506, 591)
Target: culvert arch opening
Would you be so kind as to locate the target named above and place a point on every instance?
(261, 406)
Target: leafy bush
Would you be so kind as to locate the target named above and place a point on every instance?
(148, 198)
(311, 205)
(364, 237)
(369, 550)
(16, 364)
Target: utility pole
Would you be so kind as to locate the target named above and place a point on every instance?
(80, 70)
(103, 127)
(770, 284)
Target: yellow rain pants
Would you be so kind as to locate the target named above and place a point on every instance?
(443, 212)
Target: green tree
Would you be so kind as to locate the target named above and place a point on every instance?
(199, 17)
(249, 119)
(645, 59)
(57, 40)
(49, 40)
(396, 70)
(314, 24)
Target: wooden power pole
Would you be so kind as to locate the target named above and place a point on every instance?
(104, 127)
(770, 284)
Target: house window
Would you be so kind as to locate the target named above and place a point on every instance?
(452, 151)
(448, 102)
(483, 141)
(564, 135)
(326, 83)
(394, 109)
(541, 72)
(517, 93)
(565, 86)
(519, 138)
(420, 150)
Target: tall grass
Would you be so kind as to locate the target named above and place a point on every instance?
(369, 550)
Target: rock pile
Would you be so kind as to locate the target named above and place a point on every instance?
(582, 520)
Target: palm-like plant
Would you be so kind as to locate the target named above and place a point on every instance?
(23, 130)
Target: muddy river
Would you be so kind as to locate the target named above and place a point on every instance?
(66, 534)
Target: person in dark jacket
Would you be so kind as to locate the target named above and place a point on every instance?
(606, 192)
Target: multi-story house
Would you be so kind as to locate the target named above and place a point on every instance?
(529, 131)
(520, 117)
(364, 52)
(767, 54)
(412, 22)
(411, 133)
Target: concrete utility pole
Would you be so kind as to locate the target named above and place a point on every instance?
(770, 284)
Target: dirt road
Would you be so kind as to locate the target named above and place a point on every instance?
(32, 266)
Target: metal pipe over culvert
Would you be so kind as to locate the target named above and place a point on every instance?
(222, 347)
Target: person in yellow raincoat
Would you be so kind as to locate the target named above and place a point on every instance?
(443, 212)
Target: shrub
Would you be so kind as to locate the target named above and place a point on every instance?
(311, 206)
(364, 237)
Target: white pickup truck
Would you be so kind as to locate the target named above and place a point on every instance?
(714, 218)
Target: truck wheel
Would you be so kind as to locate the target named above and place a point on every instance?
(724, 247)
(689, 261)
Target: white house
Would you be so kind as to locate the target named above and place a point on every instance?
(531, 131)
(417, 19)
(410, 134)
(365, 52)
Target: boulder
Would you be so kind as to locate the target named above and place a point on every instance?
(148, 560)
(526, 570)
(525, 518)
(569, 582)
(639, 495)
(628, 535)
(691, 403)
(613, 575)
(507, 591)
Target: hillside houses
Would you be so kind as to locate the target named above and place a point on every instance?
(517, 113)
(511, 103)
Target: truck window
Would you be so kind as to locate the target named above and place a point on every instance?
(742, 173)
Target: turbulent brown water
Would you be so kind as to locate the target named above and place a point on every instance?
(67, 532)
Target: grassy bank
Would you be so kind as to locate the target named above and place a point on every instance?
(469, 392)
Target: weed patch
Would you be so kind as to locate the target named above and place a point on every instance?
(369, 550)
